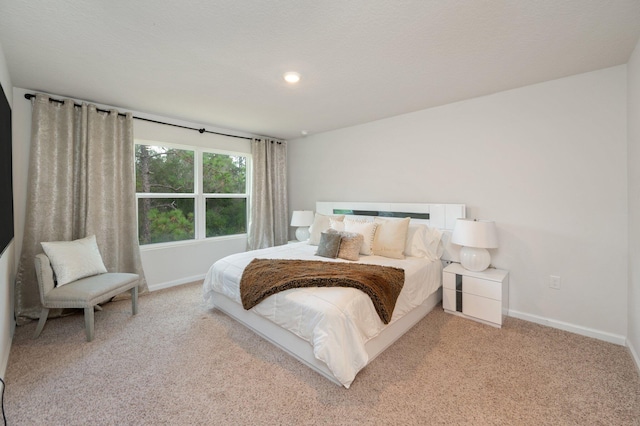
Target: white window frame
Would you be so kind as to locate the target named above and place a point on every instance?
(199, 197)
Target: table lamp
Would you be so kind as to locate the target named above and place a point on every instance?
(475, 237)
(303, 219)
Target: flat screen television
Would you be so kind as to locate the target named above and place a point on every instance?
(6, 176)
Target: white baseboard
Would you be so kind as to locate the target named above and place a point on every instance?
(634, 355)
(577, 329)
(6, 349)
(169, 284)
(4, 357)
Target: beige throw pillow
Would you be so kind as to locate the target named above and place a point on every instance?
(350, 244)
(321, 224)
(367, 229)
(391, 237)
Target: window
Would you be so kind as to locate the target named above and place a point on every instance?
(187, 193)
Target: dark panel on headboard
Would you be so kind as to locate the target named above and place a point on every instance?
(381, 214)
(6, 179)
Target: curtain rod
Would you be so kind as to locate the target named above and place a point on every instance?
(28, 96)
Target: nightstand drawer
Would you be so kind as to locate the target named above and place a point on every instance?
(449, 281)
(449, 299)
(473, 285)
(482, 308)
(484, 288)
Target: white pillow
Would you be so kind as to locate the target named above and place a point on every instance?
(416, 244)
(424, 241)
(391, 237)
(320, 224)
(72, 260)
(435, 248)
(337, 225)
(368, 231)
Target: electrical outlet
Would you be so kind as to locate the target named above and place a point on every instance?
(554, 282)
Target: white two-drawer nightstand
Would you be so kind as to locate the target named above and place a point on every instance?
(481, 296)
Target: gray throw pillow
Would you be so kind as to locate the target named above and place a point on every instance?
(329, 245)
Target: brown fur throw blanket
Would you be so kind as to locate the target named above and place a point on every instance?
(264, 277)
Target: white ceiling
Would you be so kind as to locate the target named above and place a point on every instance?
(220, 62)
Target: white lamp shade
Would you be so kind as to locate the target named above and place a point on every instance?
(475, 233)
(302, 218)
(475, 237)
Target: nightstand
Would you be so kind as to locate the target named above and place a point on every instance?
(481, 296)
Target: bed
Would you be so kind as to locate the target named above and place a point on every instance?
(336, 331)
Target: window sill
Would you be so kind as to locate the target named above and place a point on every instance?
(162, 246)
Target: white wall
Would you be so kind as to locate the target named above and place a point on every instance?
(633, 126)
(7, 270)
(164, 265)
(547, 162)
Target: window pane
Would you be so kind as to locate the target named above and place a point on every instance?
(165, 219)
(224, 174)
(226, 216)
(164, 170)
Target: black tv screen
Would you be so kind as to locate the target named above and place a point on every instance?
(6, 179)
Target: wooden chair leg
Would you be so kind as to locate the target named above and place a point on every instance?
(134, 300)
(88, 322)
(43, 318)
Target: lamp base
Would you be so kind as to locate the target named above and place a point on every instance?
(302, 233)
(475, 259)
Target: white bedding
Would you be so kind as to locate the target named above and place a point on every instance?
(337, 322)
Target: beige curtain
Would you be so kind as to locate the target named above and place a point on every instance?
(268, 220)
(81, 182)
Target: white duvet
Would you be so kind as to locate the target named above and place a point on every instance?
(336, 321)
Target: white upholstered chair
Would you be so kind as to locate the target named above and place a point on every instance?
(83, 293)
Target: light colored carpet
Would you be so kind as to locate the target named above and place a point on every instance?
(178, 363)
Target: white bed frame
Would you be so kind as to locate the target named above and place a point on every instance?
(442, 216)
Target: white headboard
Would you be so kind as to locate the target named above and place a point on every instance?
(442, 216)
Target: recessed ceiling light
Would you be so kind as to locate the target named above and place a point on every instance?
(291, 77)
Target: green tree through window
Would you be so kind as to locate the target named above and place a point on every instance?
(224, 174)
(169, 198)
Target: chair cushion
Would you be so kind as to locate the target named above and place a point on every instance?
(90, 291)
